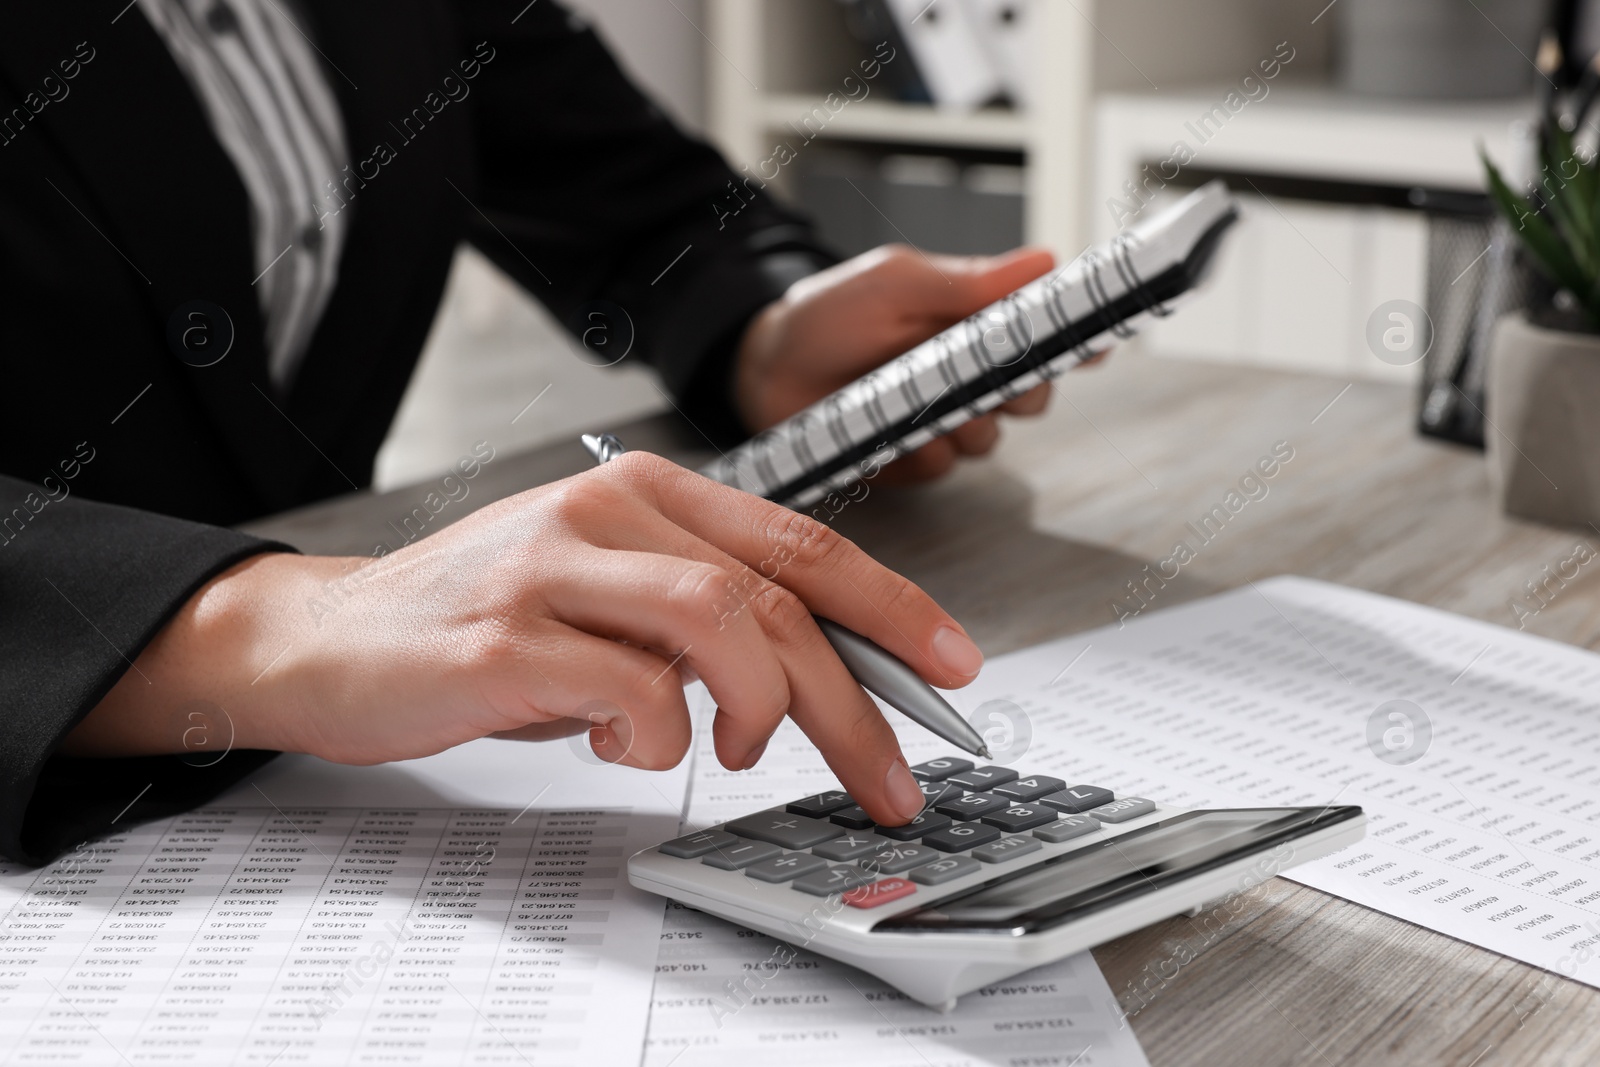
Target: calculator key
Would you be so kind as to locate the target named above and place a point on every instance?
(1032, 787)
(820, 805)
(937, 791)
(1006, 848)
(897, 859)
(784, 867)
(741, 854)
(1019, 817)
(1066, 828)
(971, 805)
(832, 880)
(793, 832)
(925, 823)
(961, 836)
(1079, 799)
(1124, 809)
(937, 770)
(984, 777)
(850, 846)
(854, 817)
(693, 846)
(870, 896)
(946, 870)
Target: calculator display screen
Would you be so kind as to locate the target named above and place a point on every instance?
(1110, 872)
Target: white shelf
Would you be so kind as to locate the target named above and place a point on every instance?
(1297, 281)
(797, 52)
(896, 123)
(1306, 132)
(1304, 277)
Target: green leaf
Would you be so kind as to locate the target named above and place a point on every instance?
(1550, 249)
(1572, 197)
(1564, 162)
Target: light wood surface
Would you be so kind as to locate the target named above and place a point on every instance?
(1038, 542)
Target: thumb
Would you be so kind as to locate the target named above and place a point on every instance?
(978, 281)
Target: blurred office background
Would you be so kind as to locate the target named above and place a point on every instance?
(1356, 158)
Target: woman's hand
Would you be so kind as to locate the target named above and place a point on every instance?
(582, 604)
(833, 327)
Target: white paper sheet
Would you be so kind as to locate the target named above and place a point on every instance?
(470, 908)
(722, 997)
(1266, 696)
(1261, 696)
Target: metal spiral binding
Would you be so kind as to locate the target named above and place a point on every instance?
(1123, 258)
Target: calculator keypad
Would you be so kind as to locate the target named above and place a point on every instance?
(832, 880)
(1030, 788)
(1016, 818)
(1006, 848)
(781, 828)
(976, 817)
(821, 805)
(854, 817)
(897, 859)
(946, 870)
(1066, 828)
(693, 846)
(850, 846)
(1123, 810)
(961, 836)
(934, 792)
(984, 777)
(785, 867)
(870, 896)
(937, 770)
(741, 854)
(1078, 799)
(922, 825)
(971, 806)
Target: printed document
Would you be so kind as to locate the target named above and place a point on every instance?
(469, 908)
(1474, 748)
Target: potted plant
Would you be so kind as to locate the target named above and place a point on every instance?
(1543, 387)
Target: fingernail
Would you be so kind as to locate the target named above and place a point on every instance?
(755, 755)
(901, 791)
(956, 653)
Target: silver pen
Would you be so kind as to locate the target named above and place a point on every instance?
(879, 672)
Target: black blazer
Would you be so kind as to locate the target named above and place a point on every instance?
(121, 465)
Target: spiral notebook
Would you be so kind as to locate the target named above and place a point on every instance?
(1035, 334)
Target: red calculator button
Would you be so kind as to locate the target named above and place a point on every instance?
(880, 892)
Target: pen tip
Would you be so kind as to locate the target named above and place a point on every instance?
(984, 752)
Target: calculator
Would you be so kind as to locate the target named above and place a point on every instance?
(1002, 872)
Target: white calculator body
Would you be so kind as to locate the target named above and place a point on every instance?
(1001, 873)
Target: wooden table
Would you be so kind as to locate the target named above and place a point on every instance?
(1039, 540)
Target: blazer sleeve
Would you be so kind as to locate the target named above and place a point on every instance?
(84, 587)
(589, 193)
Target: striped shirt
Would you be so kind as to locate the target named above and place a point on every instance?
(261, 84)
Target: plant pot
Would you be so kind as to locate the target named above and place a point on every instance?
(1543, 437)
